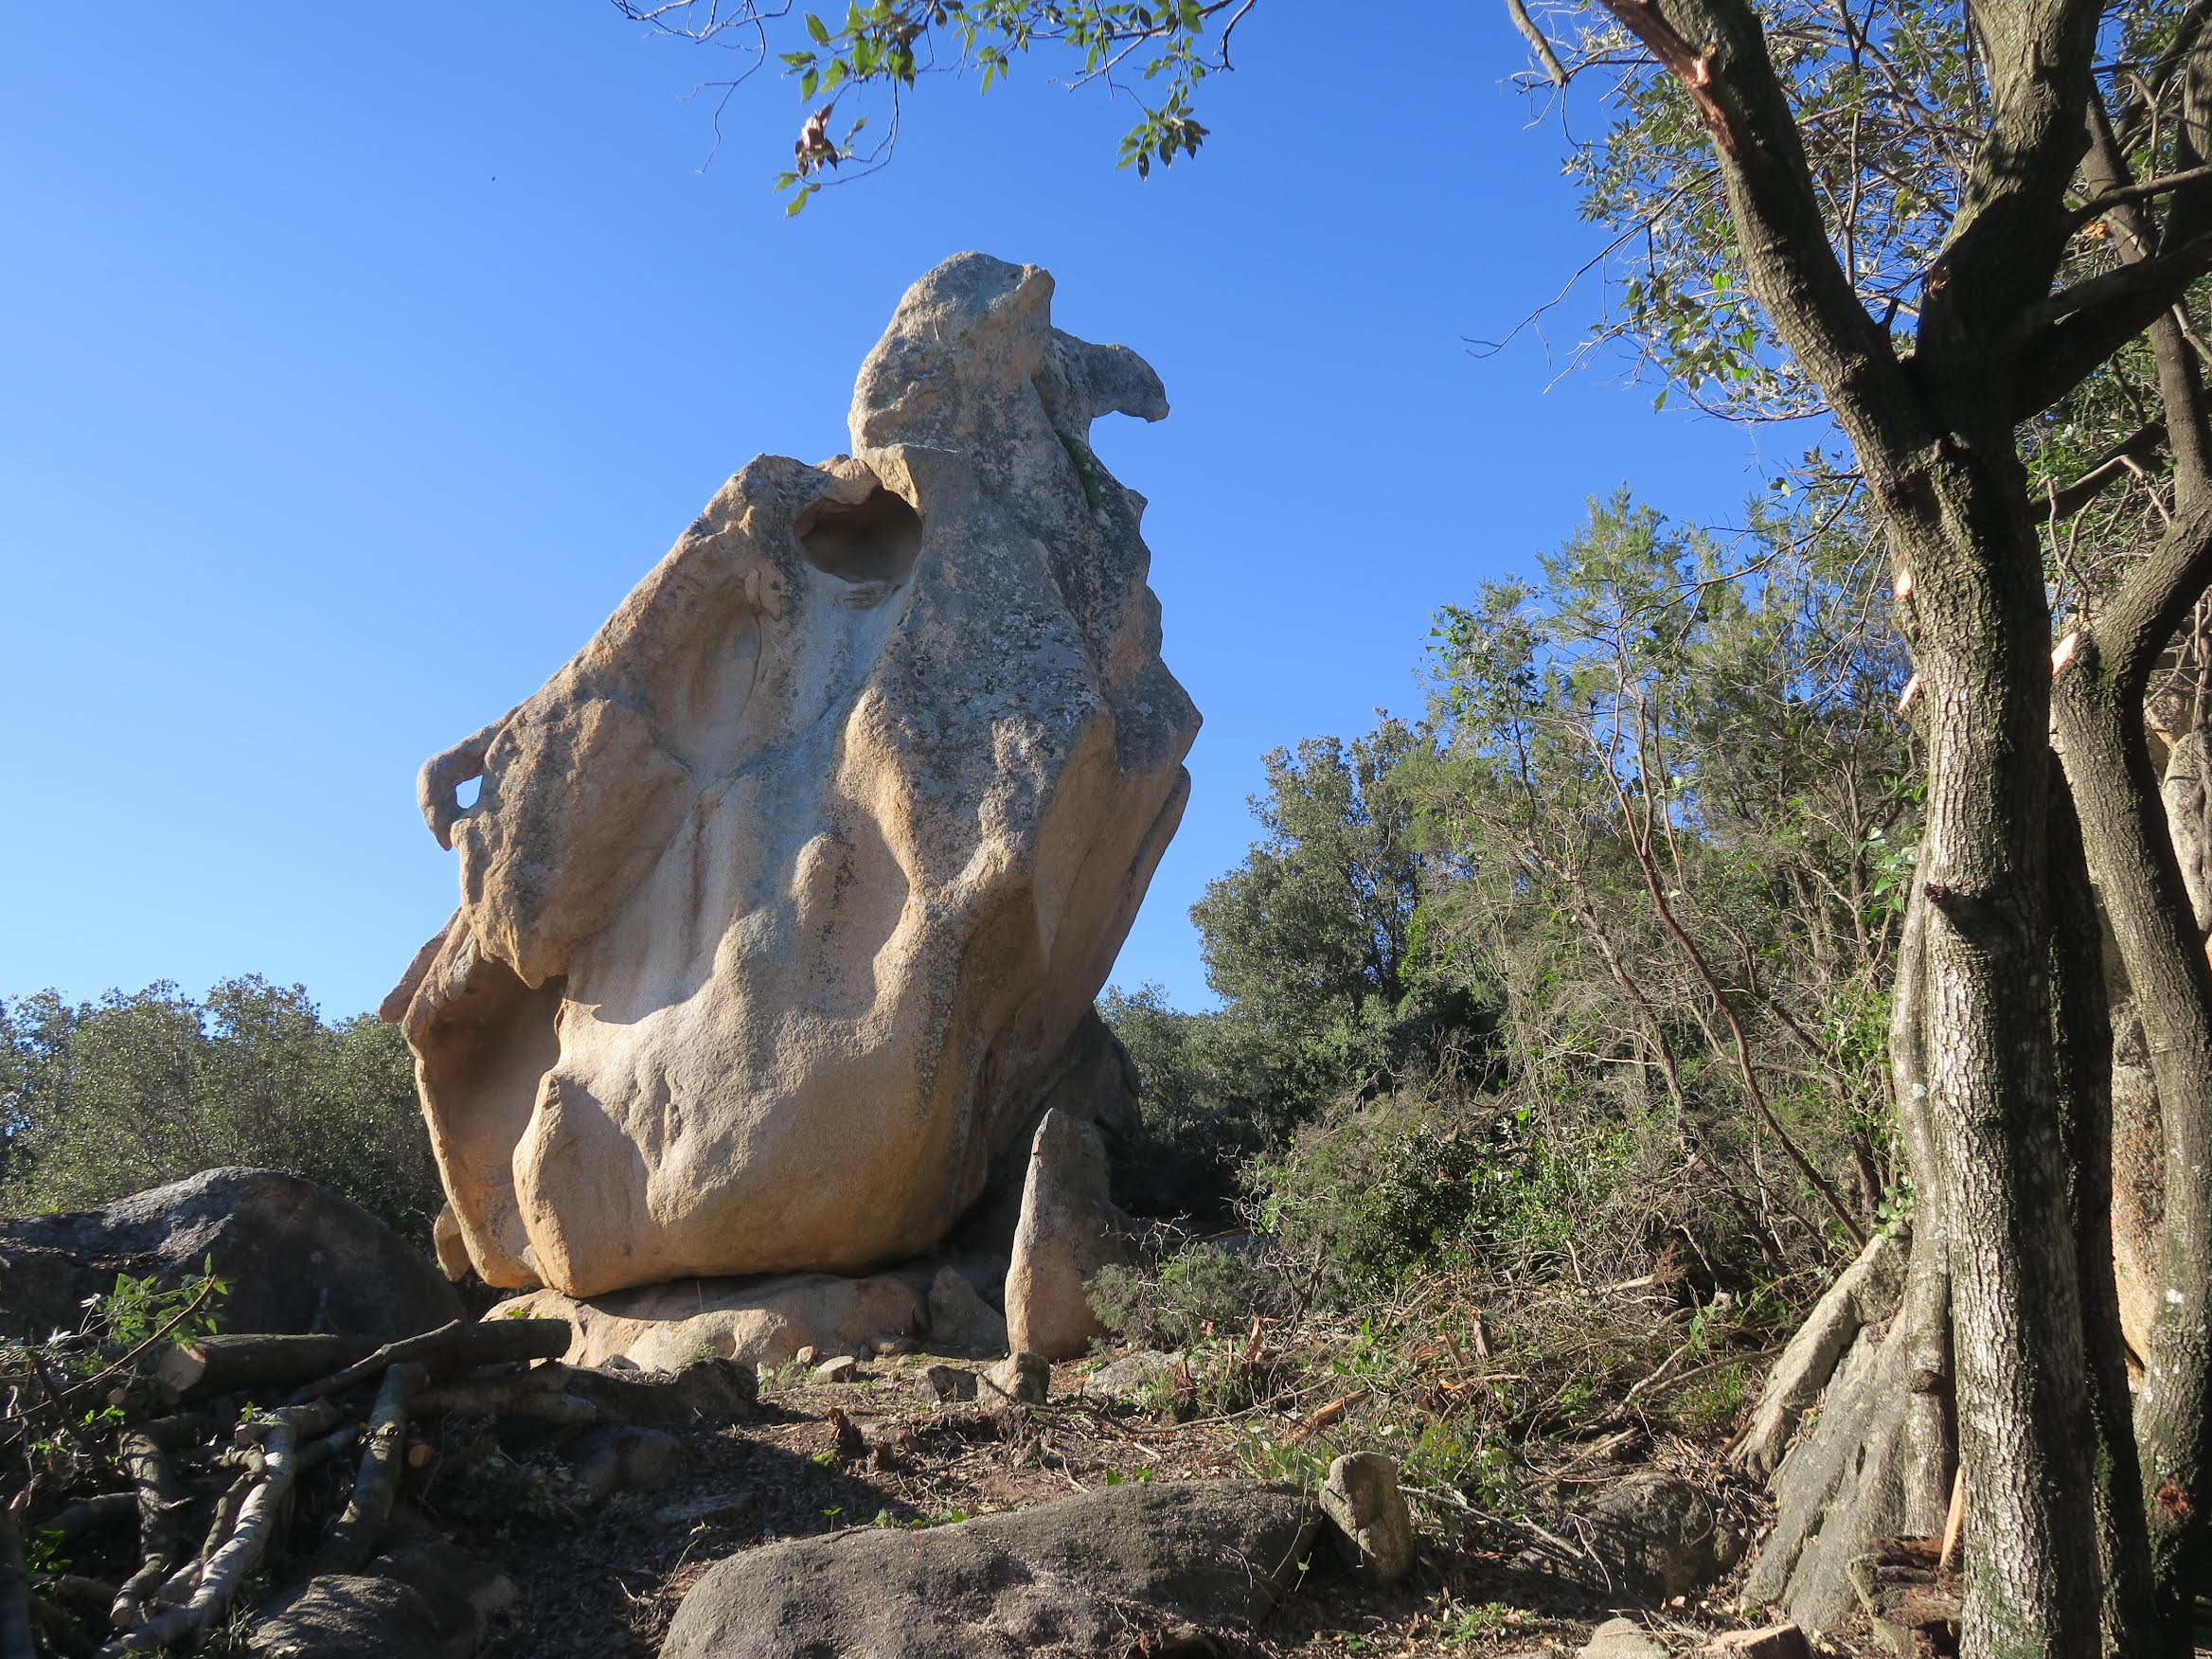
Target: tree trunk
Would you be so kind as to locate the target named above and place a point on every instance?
(2123, 828)
(1880, 1461)
(2082, 1047)
(1998, 1165)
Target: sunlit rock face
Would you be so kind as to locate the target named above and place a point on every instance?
(779, 900)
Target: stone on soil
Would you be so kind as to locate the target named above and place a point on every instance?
(1096, 1573)
(1622, 1638)
(959, 1320)
(1021, 1377)
(1659, 1536)
(1374, 1528)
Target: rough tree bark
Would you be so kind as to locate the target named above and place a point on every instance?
(2099, 704)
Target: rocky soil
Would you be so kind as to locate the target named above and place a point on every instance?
(822, 1457)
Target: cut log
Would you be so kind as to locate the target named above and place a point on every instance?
(1865, 1293)
(712, 1394)
(211, 1365)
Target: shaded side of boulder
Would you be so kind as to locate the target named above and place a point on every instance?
(1659, 1536)
(1091, 1574)
(960, 1321)
(296, 1258)
(426, 1601)
(1069, 1230)
(1093, 1080)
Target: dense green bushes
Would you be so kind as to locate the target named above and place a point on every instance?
(1480, 976)
(100, 1099)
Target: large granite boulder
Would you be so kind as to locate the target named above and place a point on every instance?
(781, 901)
(1114, 1570)
(295, 1257)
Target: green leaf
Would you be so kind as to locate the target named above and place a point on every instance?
(819, 30)
(798, 201)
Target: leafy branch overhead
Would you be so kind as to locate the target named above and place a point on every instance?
(1157, 54)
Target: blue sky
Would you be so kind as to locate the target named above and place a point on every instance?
(356, 361)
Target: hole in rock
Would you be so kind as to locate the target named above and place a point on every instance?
(466, 794)
(876, 539)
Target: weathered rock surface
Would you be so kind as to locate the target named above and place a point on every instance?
(754, 1322)
(1024, 1378)
(781, 901)
(960, 1321)
(1093, 1080)
(1069, 1230)
(1372, 1522)
(1622, 1638)
(1129, 1374)
(1088, 1575)
(1659, 1536)
(295, 1257)
(426, 1600)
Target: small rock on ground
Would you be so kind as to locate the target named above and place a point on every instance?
(943, 1382)
(1622, 1638)
(1119, 1378)
(1021, 1377)
(1374, 1528)
(839, 1368)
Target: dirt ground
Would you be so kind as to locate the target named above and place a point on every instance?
(603, 1583)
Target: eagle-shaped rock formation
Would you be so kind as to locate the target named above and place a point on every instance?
(779, 902)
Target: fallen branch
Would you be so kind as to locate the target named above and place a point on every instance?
(353, 1539)
(161, 1505)
(59, 1628)
(88, 1514)
(228, 1568)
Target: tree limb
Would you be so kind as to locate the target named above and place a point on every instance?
(353, 1535)
(2081, 327)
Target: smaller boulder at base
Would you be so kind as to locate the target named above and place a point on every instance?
(960, 1321)
(1069, 1230)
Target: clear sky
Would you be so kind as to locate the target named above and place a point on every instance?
(357, 360)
